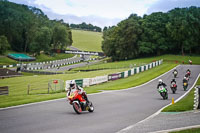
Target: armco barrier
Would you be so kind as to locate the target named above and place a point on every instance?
(98, 80)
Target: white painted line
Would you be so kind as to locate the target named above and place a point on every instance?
(177, 129)
(18, 106)
(155, 114)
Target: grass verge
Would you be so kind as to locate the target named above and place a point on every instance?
(193, 130)
(184, 104)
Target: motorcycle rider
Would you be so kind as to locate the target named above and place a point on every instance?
(175, 72)
(173, 80)
(74, 87)
(161, 83)
(185, 80)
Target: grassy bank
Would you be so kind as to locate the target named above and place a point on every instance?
(87, 40)
(184, 104)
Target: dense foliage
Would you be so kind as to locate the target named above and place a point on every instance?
(85, 26)
(174, 32)
(28, 29)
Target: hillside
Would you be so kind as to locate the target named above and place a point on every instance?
(87, 40)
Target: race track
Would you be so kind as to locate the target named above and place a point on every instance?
(113, 110)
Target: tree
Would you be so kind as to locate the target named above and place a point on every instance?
(154, 37)
(60, 37)
(121, 42)
(4, 45)
(41, 41)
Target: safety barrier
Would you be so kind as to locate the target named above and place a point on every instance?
(49, 64)
(86, 82)
(197, 98)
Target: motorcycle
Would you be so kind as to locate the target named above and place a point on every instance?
(163, 92)
(185, 85)
(173, 87)
(188, 73)
(79, 104)
(175, 74)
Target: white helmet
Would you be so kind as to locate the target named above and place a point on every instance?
(160, 80)
(72, 83)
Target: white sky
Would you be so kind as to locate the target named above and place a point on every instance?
(101, 8)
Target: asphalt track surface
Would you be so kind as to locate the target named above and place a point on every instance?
(114, 110)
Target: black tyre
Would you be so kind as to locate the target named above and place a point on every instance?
(77, 108)
(91, 107)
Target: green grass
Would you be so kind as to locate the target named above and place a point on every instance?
(193, 130)
(184, 104)
(87, 40)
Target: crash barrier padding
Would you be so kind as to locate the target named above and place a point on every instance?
(49, 64)
(79, 82)
(4, 90)
(114, 76)
(197, 98)
(86, 82)
(129, 72)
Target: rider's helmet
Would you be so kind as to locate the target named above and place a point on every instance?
(160, 81)
(72, 84)
(173, 80)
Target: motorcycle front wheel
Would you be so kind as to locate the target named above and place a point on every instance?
(77, 107)
(91, 107)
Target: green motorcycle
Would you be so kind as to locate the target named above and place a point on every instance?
(185, 85)
(163, 92)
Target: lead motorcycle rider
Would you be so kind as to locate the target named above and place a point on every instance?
(73, 87)
(161, 83)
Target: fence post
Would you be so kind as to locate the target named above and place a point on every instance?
(48, 87)
(28, 89)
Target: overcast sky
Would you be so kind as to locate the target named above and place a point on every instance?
(103, 12)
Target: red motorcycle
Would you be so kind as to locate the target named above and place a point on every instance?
(173, 87)
(79, 103)
(188, 73)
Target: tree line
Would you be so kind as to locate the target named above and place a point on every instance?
(27, 29)
(85, 26)
(174, 32)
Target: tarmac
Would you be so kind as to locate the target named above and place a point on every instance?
(166, 122)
